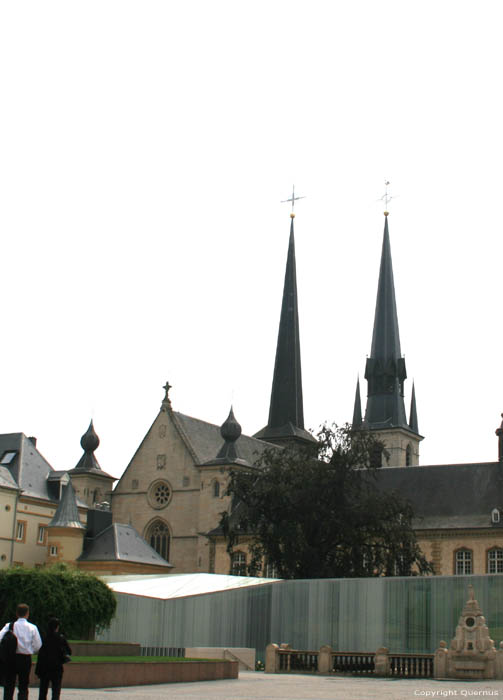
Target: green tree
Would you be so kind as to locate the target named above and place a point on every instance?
(80, 600)
(318, 512)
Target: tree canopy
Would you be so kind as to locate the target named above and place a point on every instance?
(81, 601)
(319, 513)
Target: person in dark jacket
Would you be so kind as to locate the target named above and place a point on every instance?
(51, 657)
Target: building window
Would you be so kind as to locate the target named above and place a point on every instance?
(463, 562)
(495, 516)
(134, 484)
(408, 456)
(41, 534)
(185, 481)
(159, 494)
(7, 457)
(159, 539)
(216, 489)
(238, 564)
(161, 461)
(270, 570)
(21, 530)
(495, 561)
(53, 551)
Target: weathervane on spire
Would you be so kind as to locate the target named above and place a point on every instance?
(292, 199)
(386, 197)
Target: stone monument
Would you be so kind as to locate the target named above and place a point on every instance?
(472, 653)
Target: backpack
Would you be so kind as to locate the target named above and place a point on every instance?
(8, 647)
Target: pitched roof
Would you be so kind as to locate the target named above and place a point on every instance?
(6, 479)
(450, 495)
(29, 469)
(120, 542)
(205, 441)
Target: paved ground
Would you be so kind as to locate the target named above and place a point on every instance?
(263, 686)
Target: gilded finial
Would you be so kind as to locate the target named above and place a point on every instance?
(292, 199)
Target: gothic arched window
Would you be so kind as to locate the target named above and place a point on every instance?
(216, 489)
(158, 538)
(408, 456)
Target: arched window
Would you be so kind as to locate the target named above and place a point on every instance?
(216, 489)
(495, 561)
(238, 564)
(158, 538)
(408, 456)
(495, 516)
(463, 562)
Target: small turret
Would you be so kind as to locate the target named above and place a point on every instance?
(91, 483)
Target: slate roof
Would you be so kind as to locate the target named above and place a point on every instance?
(28, 469)
(448, 496)
(122, 543)
(286, 412)
(67, 513)
(385, 368)
(88, 462)
(6, 480)
(205, 441)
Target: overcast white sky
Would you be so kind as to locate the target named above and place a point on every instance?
(144, 151)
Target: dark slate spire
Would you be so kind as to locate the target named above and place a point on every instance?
(230, 431)
(67, 513)
(357, 411)
(413, 424)
(499, 433)
(89, 442)
(286, 413)
(385, 370)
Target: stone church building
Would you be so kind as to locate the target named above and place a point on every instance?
(163, 515)
(173, 490)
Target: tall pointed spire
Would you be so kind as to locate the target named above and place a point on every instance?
(385, 370)
(413, 424)
(357, 410)
(286, 413)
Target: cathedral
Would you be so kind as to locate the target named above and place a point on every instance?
(173, 490)
(163, 514)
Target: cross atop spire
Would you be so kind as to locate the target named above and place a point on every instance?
(292, 199)
(386, 197)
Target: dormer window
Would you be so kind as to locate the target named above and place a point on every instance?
(495, 516)
(8, 456)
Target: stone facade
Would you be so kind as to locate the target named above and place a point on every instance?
(163, 484)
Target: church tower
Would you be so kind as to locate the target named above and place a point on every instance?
(385, 374)
(286, 412)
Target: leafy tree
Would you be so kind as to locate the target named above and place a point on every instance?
(317, 513)
(80, 600)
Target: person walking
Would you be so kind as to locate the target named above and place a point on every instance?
(28, 643)
(51, 657)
